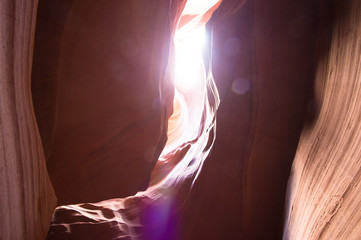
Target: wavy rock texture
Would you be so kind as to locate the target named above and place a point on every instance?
(102, 99)
(324, 189)
(27, 198)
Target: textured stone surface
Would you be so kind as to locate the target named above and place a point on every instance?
(97, 82)
(324, 194)
(27, 198)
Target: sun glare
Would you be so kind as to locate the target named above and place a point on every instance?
(192, 124)
(189, 70)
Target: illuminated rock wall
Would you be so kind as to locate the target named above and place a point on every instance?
(27, 199)
(324, 193)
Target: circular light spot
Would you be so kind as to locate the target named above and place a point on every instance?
(241, 86)
(149, 154)
(117, 70)
(231, 47)
(129, 48)
(157, 104)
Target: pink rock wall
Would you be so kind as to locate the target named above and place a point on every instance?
(27, 198)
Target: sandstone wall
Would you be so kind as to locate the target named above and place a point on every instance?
(324, 189)
(27, 199)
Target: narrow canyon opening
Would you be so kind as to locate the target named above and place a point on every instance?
(190, 132)
(101, 137)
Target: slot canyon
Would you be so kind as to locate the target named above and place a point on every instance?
(180, 120)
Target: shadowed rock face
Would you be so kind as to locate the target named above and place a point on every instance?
(102, 104)
(263, 66)
(108, 96)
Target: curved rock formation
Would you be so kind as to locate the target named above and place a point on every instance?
(324, 190)
(288, 77)
(27, 198)
(150, 214)
(103, 47)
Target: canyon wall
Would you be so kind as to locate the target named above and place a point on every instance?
(324, 189)
(27, 198)
(102, 98)
(263, 67)
(102, 94)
